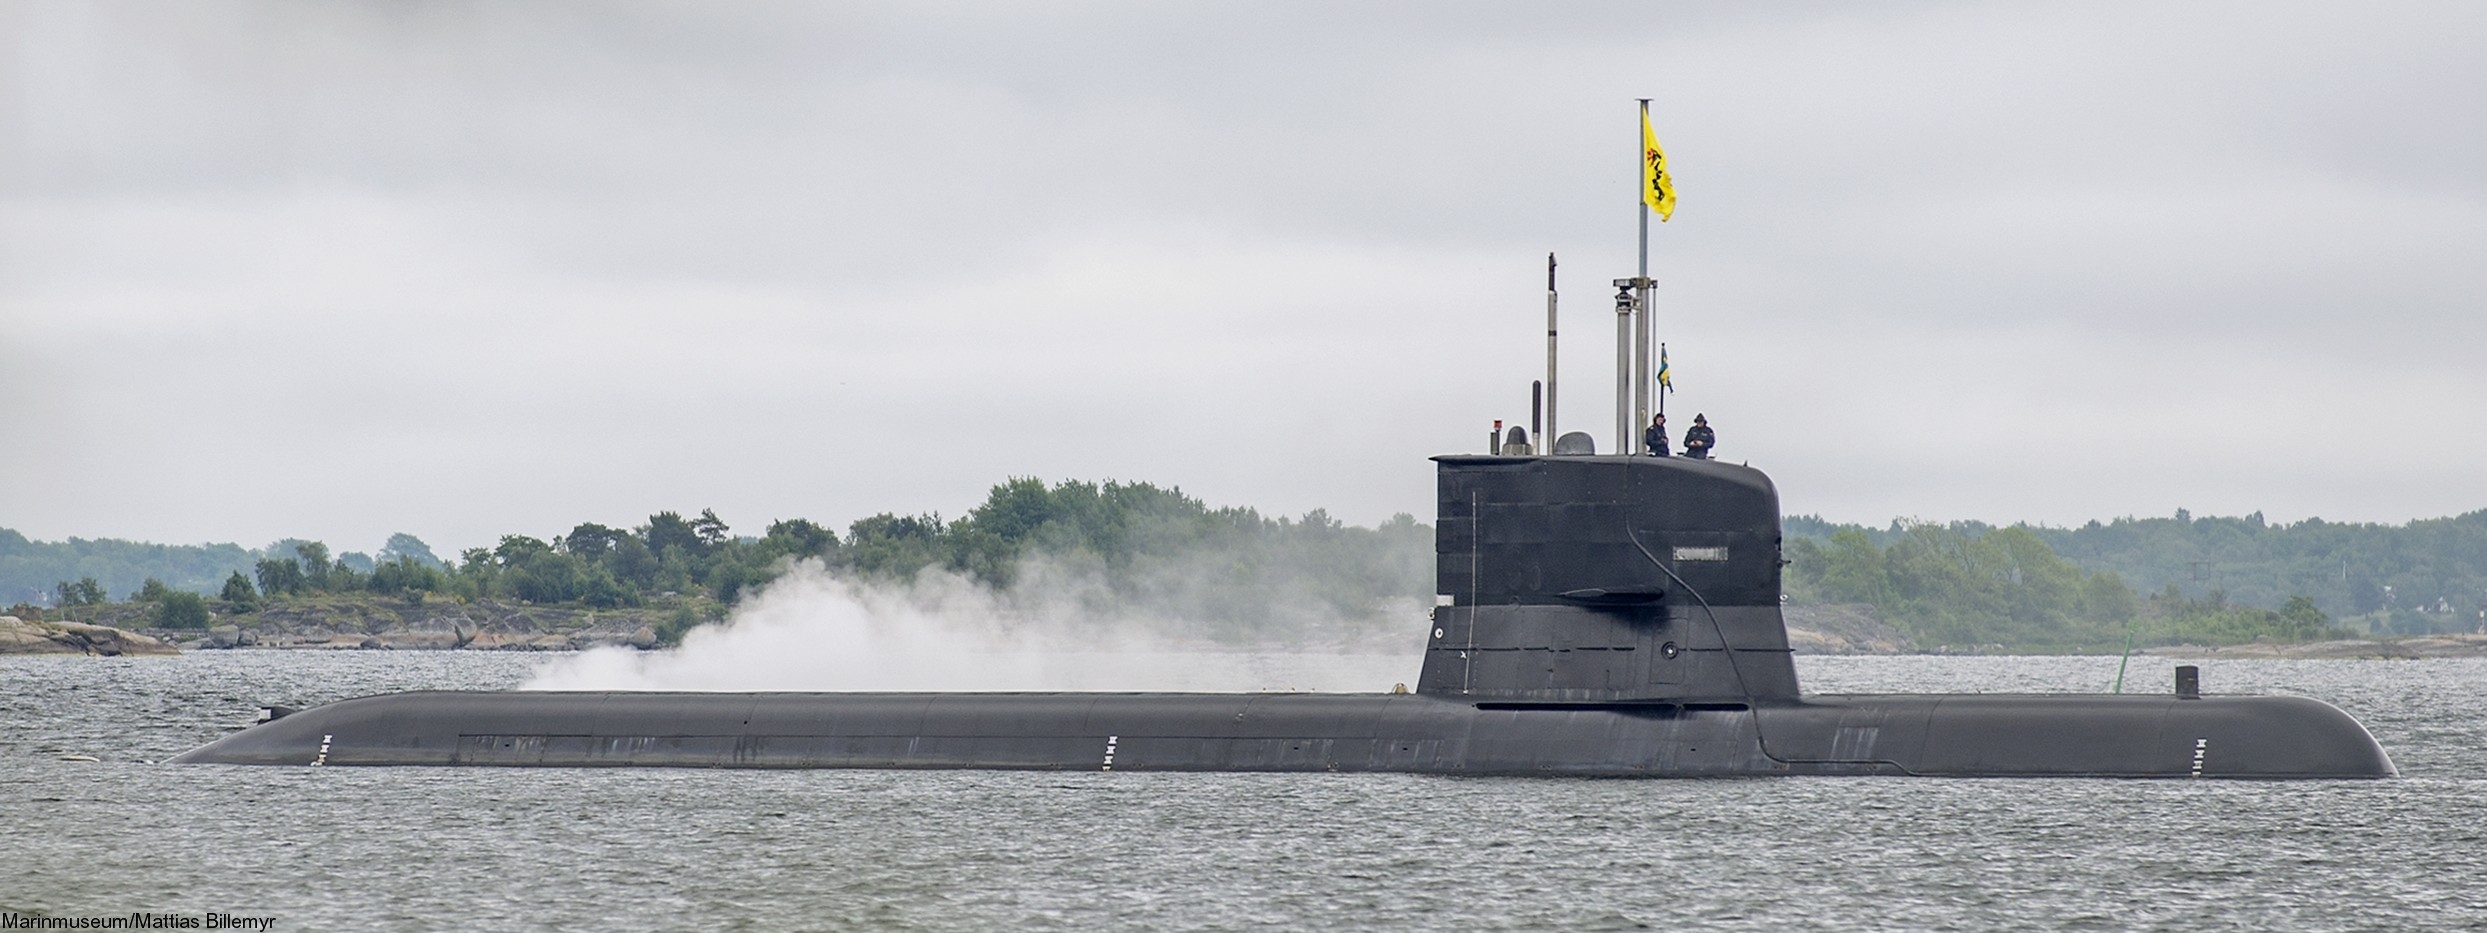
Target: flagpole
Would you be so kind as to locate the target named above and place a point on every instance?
(1644, 328)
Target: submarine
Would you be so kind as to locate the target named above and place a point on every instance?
(1599, 615)
(1606, 615)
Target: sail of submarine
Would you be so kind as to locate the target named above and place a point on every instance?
(1608, 615)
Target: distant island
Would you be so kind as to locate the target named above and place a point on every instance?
(1235, 576)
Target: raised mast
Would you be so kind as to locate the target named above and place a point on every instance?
(1623, 369)
(1545, 438)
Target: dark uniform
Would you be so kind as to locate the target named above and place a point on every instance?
(1698, 440)
(1654, 440)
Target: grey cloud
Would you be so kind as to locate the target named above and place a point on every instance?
(525, 265)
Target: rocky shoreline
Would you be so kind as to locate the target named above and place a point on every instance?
(1843, 628)
(33, 636)
(2406, 648)
(487, 625)
(431, 625)
(443, 625)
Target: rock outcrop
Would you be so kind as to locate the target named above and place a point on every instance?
(433, 625)
(396, 624)
(24, 636)
(1842, 628)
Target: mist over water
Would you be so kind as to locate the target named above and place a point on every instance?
(1056, 628)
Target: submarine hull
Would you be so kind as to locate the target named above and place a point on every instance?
(1986, 735)
(1598, 616)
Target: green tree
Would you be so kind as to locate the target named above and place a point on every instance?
(1852, 570)
(2105, 599)
(896, 545)
(1806, 563)
(667, 531)
(516, 549)
(281, 576)
(2213, 620)
(2300, 611)
(670, 631)
(1965, 584)
(238, 591)
(405, 545)
(405, 574)
(181, 609)
(597, 587)
(592, 540)
(29, 569)
(315, 564)
(344, 578)
(709, 529)
(2365, 595)
(729, 576)
(632, 562)
(148, 592)
(796, 537)
(478, 576)
(538, 575)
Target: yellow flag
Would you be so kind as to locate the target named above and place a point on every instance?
(1657, 183)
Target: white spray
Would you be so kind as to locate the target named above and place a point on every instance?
(811, 629)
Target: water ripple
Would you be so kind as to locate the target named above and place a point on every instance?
(486, 849)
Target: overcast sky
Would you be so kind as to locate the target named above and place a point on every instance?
(338, 270)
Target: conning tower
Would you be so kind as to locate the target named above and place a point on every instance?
(1572, 579)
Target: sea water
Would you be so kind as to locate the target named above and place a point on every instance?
(526, 849)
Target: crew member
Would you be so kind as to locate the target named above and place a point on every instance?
(1698, 440)
(1654, 440)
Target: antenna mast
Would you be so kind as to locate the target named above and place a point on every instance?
(1545, 439)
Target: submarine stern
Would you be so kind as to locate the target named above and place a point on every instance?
(2072, 735)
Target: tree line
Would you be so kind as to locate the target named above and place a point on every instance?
(1122, 549)
(2426, 576)
(1135, 549)
(30, 571)
(1990, 589)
